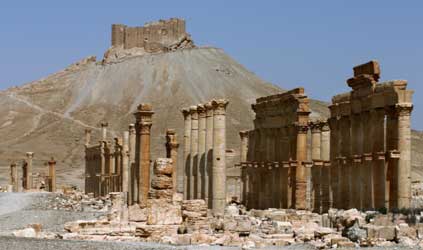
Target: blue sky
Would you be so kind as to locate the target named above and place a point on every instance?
(314, 44)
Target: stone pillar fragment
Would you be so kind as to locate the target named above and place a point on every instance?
(143, 117)
(219, 161)
(133, 173)
(209, 153)
(201, 158)
(404, 146)
(194, 153)
(104, 130)
(87, 137)
(28, 177)
(172, 146)
(300, 171)
(52, 175)
(14, 177)
(316, 169)
(125, 165)
(187, 152)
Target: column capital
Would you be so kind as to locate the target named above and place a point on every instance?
(209, 109)
(171, 141)
(201, 110)
(301, 128)
(144, 114)
(325, 126)
(219, 106)
(29, 155)
(51, 162)
(186, 113)
(193, 112)
(244, 133)
(403, 109)
(315, 126)
(131, 128)
(104, 124)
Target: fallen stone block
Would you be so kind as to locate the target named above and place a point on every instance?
(163, 213)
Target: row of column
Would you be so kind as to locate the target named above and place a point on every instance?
(27, 176)
(204, 153)
(371, 152)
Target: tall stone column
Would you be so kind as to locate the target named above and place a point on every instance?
(52, 175)
(194, 153)
(28, 177)
(104, 130)
(244, 145)
(219, 161)
(392, 162)
(356, 143)
(378, 149)
(345, 164)
(367, 168)
(337, 172)
(404, 146)
(209, 153)
(330, 187)
(300, 174)
(187, 152)
(87, 137)
(133, 174)
(201, 151)
(143, 118)
(316, 169)
(172, 146)
(125, 165)
(14, 177)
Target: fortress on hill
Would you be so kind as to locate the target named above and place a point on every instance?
(163, 35)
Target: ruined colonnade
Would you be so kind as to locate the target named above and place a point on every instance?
(204, 153)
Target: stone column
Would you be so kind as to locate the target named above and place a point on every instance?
(28, 177)
(87, 137)
(330, 187)
(378, 149)
(14, 177)
(356, 143)
(316, 169)
(52, 175)
(125, 165)
(244, 145)
(209, 153)
(392, 163)
(201, 166)
(344, 131)
(336, 175)
(104, 130)
(404, 146)
(143, 129)
(219, 161)
(172, 146)
(194, 153)
(187, 152)
(367, 172)
(133, 174)
(300, 174)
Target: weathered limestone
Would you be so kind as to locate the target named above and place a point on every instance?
(162, 181)
(209, 154)
(219, 163)
(104, 130)
(379, 174)
(125, 165)
(187, 151)
(300, 171)
(52, 175)
(14, 177)
(329, 173)
(28, 170)
(133, 174)
(172, 146)
(143, 117)
(194, 153)
(87, 137)
(316, 133)
(201, 167)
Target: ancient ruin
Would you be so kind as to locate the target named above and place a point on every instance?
(154, 37)
(204, 153)
(359, 158)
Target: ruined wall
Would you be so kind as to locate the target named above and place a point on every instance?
(155, 36)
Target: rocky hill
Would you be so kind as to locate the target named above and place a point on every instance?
(49, 116)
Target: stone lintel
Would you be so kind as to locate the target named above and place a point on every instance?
(370, 68)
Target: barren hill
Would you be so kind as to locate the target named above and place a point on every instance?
(49, 116)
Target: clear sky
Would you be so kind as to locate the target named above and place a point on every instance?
(311, 43)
